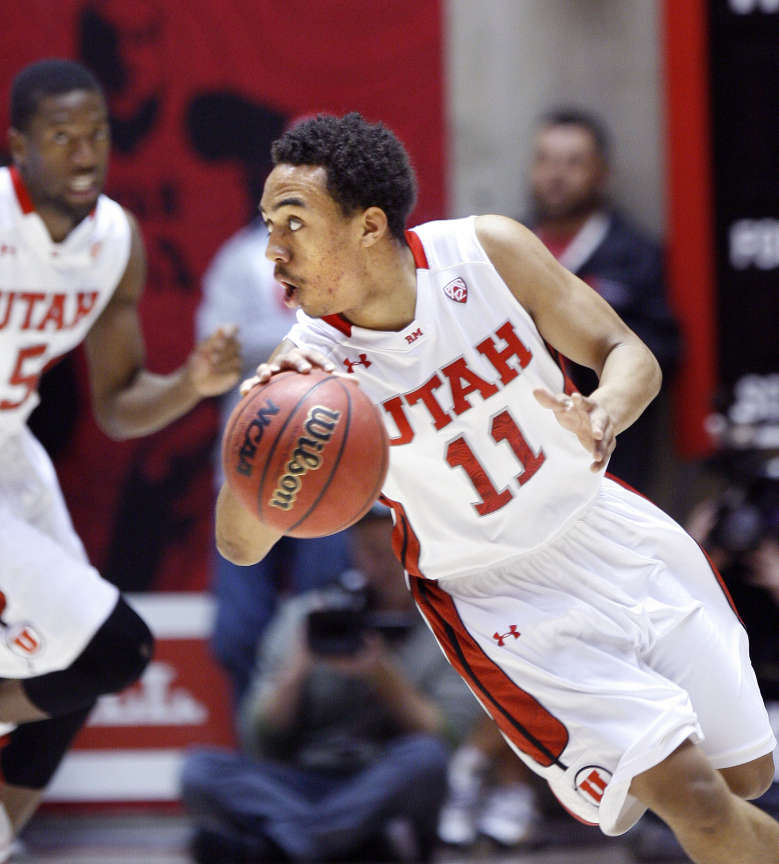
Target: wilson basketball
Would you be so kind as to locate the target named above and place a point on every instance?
(307, 454)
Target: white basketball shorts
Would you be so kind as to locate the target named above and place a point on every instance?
(52, 601)
(599, 653)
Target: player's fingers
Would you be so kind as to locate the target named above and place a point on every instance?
(248, 383)
(318, 359)
(556, 402)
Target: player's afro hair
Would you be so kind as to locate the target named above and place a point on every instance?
(366, 164)
(48, 77)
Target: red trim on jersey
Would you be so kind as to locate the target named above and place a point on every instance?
(629, 487)
(22, 195)
(532, 729)
(418, 251)
(340, 323)
(405, 543)
(562, 361)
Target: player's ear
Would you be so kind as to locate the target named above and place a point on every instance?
(17, 145)
(374, 225)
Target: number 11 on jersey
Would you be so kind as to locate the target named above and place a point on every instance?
(503, 428)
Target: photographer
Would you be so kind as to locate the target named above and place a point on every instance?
(345, 724)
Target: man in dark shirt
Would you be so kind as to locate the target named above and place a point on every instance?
(590, 237)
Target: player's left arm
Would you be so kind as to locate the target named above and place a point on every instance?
(576, 321)
(127, 399)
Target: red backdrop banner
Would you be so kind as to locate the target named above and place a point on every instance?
(197, 89)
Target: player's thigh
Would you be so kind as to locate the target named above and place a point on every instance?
(52, 600)
(707, 655)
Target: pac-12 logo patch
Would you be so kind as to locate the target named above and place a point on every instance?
(591, 782)
(457, 290)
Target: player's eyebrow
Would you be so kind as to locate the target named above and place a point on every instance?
(288, 202)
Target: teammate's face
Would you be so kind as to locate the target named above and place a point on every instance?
(63, 155)
(315, 248)
(567, 172)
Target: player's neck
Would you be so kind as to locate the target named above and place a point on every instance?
(391, 298)
(57, 223)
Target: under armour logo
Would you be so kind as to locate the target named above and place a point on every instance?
(512, 631)
(591, 783)
(350, 364)
(457, 290)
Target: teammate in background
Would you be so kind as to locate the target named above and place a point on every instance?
(573, 217)
(239, 286)
(72, 268)
(586, 621)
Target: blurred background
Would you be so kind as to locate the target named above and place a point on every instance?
(197, 90)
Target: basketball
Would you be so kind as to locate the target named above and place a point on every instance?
(306, 453)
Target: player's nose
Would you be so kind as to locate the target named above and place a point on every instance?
(276, 251)
(84, 153)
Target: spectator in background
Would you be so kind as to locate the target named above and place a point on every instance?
(348, 719)
(571, 214)
(239, 287)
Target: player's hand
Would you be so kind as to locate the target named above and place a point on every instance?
(214, 366)
(298, 360)
(581, 415)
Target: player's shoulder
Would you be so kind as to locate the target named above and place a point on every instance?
(472, 239)
(110, 216)
(445, 242)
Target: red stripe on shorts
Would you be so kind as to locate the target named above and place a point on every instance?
(523, 720)
(405, 543)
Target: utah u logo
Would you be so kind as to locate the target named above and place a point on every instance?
(457, 290)
(591, 782)
(500, 637)
(350, 364)
(23, 639)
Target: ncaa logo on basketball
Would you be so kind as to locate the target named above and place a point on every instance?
(252, 438)
(457, 290)
(591, 782)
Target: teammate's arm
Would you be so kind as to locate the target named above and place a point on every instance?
(127, 399)
(576, 321)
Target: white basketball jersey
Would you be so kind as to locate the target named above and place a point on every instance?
(479, 472)
(50, 293)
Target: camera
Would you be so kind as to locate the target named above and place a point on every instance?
(338, 628)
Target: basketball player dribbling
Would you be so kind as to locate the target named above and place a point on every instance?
(586, 621)
(72, 268)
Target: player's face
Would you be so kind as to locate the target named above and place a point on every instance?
(315, 248)
(567, 172)
(63, 156)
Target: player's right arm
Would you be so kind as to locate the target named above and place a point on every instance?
(240, 536)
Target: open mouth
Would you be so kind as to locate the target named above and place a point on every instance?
(83, 188)
(290, 292)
